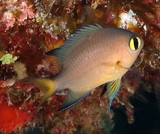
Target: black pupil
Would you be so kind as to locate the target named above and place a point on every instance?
(135, 43)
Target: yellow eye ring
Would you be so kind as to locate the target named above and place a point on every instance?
(134, 43)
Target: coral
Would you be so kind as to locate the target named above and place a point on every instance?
(12, 117)
(49, 67)
(20, 70)
(15, 11)
(29, 29)
(127, 18)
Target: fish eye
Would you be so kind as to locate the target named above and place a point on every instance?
(134, 43)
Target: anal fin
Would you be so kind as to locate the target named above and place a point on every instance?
(72, 99)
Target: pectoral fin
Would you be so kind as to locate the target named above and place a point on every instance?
(112, 90)
(72, 99)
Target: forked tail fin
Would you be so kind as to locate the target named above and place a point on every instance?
(46, 85)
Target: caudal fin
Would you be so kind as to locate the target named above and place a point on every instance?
(46, 85)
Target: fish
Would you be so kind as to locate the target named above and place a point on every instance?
(91, 57)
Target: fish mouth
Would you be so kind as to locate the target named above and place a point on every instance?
(118, 64)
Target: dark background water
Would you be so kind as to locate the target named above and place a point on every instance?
(146, 114)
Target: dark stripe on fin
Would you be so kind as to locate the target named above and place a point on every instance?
(112, 90)
(72, 99)
(104, 90)
(73, 40)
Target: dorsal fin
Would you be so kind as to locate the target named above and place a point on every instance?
(73, 40)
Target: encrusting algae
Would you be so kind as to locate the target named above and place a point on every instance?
(29, 29)
(8, 59)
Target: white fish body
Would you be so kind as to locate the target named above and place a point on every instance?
(92, 57)
(93, 62)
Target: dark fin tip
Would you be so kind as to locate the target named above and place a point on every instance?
(104, 90)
